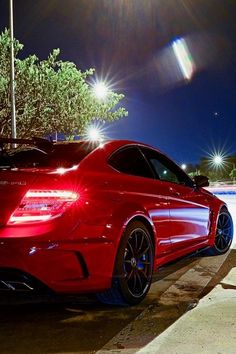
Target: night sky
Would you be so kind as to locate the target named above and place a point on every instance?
(128, 42)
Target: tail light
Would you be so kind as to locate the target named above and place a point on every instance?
(42, 205)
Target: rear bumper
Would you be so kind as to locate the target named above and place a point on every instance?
(75, 265)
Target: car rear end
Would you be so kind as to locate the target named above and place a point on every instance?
(43, 243)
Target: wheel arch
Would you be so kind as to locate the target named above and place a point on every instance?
(123, 216)
(215, 210)
(120, 293)
(148, 224)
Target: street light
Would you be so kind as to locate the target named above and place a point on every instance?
(184, 166)
(94, 133)
(218, 160)
(100, 90)
(12, 75)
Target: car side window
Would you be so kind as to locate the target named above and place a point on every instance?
(163, 172)
(165, 169)
(131, 161)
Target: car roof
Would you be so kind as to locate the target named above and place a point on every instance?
(110, 145)
(97, 158)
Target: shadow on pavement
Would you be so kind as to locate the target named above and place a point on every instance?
(182, 296)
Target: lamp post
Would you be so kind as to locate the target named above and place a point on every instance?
(12, 74)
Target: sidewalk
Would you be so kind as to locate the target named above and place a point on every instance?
(209, 328)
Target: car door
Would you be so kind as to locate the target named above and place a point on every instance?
(189, 208)
(140, 189)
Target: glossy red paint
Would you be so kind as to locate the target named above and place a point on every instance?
(76, 251)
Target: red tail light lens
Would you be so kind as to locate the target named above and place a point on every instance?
(42, 205)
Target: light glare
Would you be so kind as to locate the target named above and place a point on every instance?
(94, 134)
(184, 58)
(100, 90)
(218, 160)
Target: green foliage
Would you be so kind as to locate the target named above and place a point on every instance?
(51, 95)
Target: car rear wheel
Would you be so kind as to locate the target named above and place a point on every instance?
(133, 268)
(224, 234)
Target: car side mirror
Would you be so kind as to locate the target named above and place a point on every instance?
(201, 181)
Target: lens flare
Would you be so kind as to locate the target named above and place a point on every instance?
(184, 58)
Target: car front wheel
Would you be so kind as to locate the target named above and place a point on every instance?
(224, 234)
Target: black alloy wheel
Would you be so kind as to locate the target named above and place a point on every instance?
(137, 263)
(133, 268)
(224, 232)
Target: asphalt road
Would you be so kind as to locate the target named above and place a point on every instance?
(83, 325)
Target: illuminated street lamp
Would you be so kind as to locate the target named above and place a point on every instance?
(218, 161)
(184, 166)
(100, 90)
(94, 133)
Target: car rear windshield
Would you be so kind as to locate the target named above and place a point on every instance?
(62, 155)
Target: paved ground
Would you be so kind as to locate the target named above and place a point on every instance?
(210, 327)
(166, 326)
(85, 326)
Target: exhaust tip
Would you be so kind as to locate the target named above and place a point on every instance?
(15, 286)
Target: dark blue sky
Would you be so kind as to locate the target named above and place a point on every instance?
(130, 42)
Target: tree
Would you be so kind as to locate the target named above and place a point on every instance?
(51, 95)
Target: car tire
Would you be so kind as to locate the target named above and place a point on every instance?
(133, 268)
(224, 234)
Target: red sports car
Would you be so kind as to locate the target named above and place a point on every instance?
(80, 217)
